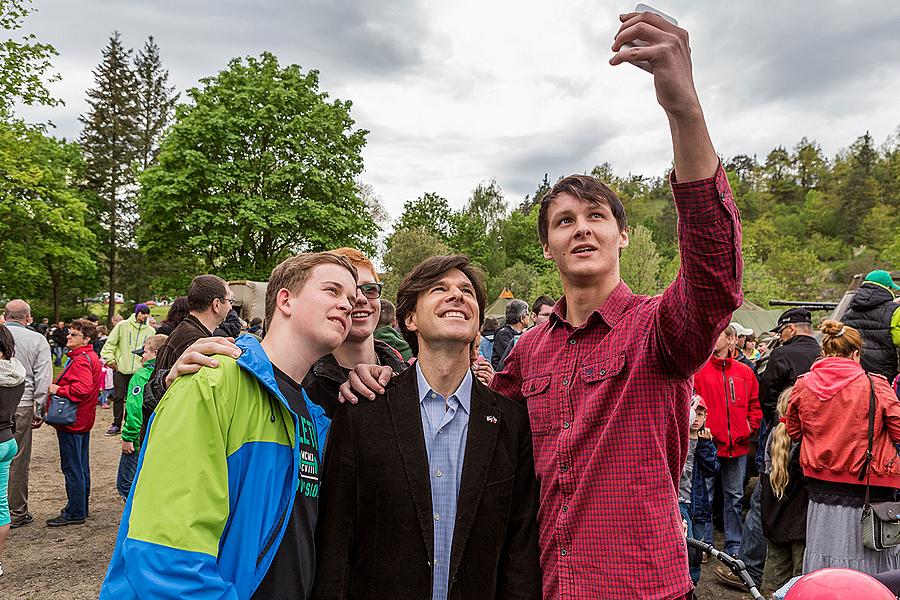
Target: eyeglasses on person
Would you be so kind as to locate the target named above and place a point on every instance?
(372, 291)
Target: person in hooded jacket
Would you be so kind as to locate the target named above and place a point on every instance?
(829, 414)
(12, 386)
(875, 313)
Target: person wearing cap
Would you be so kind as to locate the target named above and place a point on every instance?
(875, 314)
(737, 352)
(128, 335)
(693, 497)
(796, 354)
(131, 427)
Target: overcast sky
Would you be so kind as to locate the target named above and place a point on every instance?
(455, 93)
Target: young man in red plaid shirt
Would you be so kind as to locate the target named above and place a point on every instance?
(607, 380)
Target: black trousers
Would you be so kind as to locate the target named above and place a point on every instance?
(120, 391)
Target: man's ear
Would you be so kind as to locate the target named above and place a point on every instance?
(547, 253)
(623, 239)
(410, 321)
(283, 302)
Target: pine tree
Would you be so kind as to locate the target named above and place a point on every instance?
(110, 141)
(156, 101)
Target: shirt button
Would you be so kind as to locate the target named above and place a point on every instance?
(437, 517)
(565, 382)
(565, 424)
(564, 552)
(565, 508)
(433, 395)
(571, 342)
(602, 371)
(564, 468)
(438, 473)
(441, 430)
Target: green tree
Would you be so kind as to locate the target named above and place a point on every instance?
(410, 247)
(431, 212)
(25, 68)
(640, 262)
(45, 248)
(109, 141)
(259, 166)
(519, 278)
(547, 283)
(156, 101)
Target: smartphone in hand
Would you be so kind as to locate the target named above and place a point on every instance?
(644, 8)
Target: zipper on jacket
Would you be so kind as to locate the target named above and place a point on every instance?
(727, 410)
(274, 535)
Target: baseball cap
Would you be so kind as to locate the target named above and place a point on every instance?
(141, 308)
(882, 278)
(139, 351)
(793, 315)
(740, 329)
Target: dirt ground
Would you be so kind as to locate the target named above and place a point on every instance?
(69, 563)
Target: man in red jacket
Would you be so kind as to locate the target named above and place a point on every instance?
(732, 395)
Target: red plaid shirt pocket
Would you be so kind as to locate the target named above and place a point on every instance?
(603, 379)
(537, 399)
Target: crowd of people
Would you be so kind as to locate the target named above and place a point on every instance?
(348, 447)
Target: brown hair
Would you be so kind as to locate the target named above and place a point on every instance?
(203, 290)
(7, 343)
(840, 340)
(586, 188)
(155, 342)
(357, 259)
(293, 272)
(87, 328)
(423, 276)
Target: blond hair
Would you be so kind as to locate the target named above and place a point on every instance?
(780, 451)
(155, 342)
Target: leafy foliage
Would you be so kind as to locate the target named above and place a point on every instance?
(25, 68)
(258, 166)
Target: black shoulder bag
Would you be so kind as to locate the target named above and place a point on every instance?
(60, 410)
(880, 523)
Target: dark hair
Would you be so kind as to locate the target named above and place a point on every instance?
(203, 290)
(586, 188)
(490, 325)
(542, 301)
(293, 273)
(87, 329)
(177, 312)
(388, 313)
(423, 276)
(7, 343)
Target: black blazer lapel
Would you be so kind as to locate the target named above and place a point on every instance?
(484, 423)
(403, 402)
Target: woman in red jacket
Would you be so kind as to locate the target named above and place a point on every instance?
(80, 382)
(829, 413)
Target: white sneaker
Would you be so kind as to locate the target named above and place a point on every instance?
(1, 568)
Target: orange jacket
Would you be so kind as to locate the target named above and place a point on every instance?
(829, 412)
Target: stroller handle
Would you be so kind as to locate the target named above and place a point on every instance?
(736, 565)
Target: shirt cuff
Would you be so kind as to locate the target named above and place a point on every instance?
(703, 201)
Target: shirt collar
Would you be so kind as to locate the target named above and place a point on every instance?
(610, 311)
(463, 393)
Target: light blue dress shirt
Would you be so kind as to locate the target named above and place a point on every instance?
(445, 422)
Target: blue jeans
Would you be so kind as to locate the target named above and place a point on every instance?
(127, 468)
(753, 542)
(686, 515)
(58, 354)
(732, 471)
(74, 458)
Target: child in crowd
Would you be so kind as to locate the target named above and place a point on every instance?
(131, 429)
(701, 463)
(784, 502)
(108, 385)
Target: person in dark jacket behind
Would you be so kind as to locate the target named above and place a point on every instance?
(517, 321)
(12, 386)
(874, 313)
(80, 382)
(693, 498)
(798, 351)
(386, 331)
(231, 326)
(177, 312)
(784, 504)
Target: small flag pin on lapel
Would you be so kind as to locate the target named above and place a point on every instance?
(491, 419)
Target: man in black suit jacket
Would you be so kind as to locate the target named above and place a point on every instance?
(404, 513)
